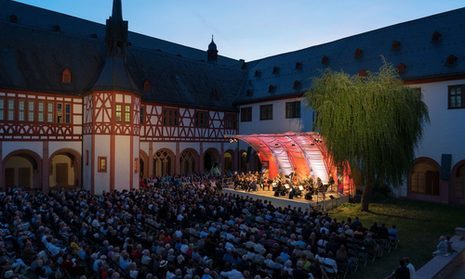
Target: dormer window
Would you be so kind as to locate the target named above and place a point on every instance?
(147, 86)
(325, 60)
(215, 95)
(401, 68)
(395, 45)
(276, 70)
(56, 28)
(436, 37)
(297, 85)
(299, 66)
(66, 76)
(258, 73)
(13, 18)
(271, 88)
(358, 53)
(451, 60)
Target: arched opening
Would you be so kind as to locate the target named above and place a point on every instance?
(163, 162)
(188, 162)
(211, 159)
(65, 169)
(23, 169)
(424, 177)
(228, 161)
(141, 166)
(458, 182)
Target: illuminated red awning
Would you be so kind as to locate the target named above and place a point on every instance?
(282, 153)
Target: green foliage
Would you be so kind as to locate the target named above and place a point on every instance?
(373, 122)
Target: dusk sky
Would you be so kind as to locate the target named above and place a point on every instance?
(252, 29)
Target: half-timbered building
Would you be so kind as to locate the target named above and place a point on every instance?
(98, 107)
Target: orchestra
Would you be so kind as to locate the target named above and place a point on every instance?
(291, 185)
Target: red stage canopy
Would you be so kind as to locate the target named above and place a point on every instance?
(282, 153)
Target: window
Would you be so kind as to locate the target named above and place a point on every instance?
(457, 96)
(293, 109)
(66, 76)
(170, 117)
(201, 119)
(127, 113)
(50, 112)
(266, 112)
(30, 111)
(21, 110)
(272, 88)
(230, 120)
(40, 111)
(11, 109)
(67, 113)
(276, 70)
(299, 65)
(246, 114)
(102, 164)
(147, 86)
(2, 108)
(118, 116)
(59, 113)
(142, 115)
(87, 157)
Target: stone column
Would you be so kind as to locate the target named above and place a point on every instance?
(177, 164)
(200, 168)
(45, 167)
(150, 172)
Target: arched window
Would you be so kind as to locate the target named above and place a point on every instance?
(66, 76)
(424, 178)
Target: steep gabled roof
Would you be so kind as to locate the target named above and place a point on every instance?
(33, 58)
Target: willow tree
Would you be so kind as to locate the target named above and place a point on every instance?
(372, 122)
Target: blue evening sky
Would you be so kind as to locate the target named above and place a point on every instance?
(252, 29)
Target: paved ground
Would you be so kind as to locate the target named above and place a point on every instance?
(450, 266)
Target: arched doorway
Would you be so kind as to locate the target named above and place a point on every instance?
(23, 169)
(424, 177)
(458, 182)
(163, 162)
(65, 169)
(228, 161)
(211, 158)
(189, 162)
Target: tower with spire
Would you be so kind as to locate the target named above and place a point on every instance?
(212, 52)
(111, 117)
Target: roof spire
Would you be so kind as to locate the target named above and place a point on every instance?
(212, 52)
(117, 32)
(117, 12)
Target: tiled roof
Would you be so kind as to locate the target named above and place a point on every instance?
(410, 46)
(33, 58)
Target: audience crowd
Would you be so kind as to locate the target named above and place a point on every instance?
(176, 227)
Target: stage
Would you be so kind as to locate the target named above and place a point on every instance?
(283, 201)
